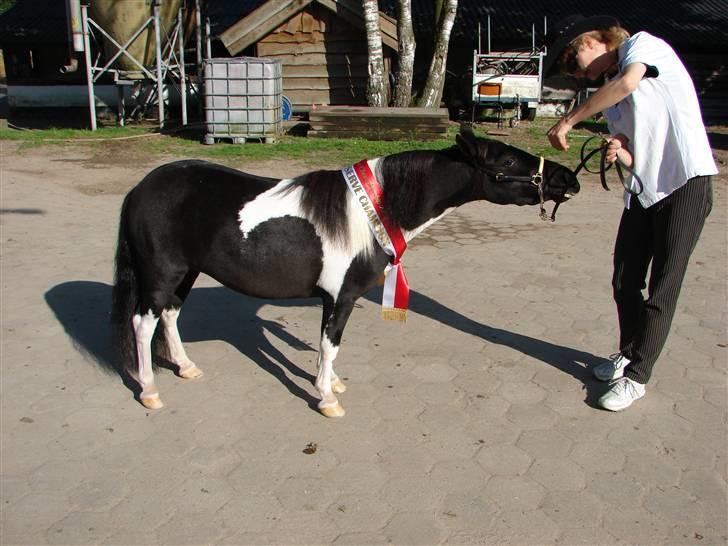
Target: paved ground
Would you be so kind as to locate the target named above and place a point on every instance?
(474, 423)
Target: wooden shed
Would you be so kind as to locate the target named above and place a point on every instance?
(321, 43)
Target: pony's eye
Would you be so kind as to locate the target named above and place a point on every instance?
(508, 163)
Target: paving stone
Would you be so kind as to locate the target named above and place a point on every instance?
(99, 492)
(523, 527)
(398, 493)
(504, 460)
(541, 442)
(683, 534)
(251, 513)
(616, 488)
(671, 501)
(462, 475)
(80, 528)
(709, 489)
(187, 528)
(414, 528)
(571, 509)
(648, 468)
(32, 514)
(303, 527)
(515, 493)
(597, 457)
(357, 539)
(360, 513)
(531, 416)
(557, 474)
(357, 477)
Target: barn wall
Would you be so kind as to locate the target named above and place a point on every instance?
(324, 59)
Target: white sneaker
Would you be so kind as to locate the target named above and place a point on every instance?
(622, 393)
(612, 369)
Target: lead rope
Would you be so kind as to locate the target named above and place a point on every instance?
(604, 167)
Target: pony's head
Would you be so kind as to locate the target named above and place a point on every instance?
(512, 176)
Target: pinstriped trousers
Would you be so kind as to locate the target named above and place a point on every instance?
(663, 236)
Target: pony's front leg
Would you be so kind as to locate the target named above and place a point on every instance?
(327, 382)
(177, 353)
(144, 326)
(329, 404)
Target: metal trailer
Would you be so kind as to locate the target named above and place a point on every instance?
(507, 80)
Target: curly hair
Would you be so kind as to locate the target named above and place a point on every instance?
(612, 37)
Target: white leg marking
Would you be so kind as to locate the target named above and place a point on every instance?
(177, 353)
(144, 326)
(329, 404)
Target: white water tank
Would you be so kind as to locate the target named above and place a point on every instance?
(243, 98)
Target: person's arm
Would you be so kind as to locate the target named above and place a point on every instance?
(608, 95)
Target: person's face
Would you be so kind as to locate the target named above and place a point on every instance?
(591, 59)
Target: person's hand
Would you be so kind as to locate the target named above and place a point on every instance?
(616, 145)
(557, 135)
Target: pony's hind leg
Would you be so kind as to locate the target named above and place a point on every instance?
(177, 354)
(144, 326)
(162, 295)
(186, 368)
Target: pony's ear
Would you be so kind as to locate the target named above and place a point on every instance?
(466, 141)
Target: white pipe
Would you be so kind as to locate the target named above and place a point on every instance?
(182, 74)
(89, 73)
(75, 26)
(158, 40)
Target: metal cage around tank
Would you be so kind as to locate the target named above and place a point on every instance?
(243, 98)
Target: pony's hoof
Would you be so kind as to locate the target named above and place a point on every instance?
(338, 386)
(151, 401)
(332, 411)
(191, 372)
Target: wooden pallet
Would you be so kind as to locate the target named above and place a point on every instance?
(378, 123)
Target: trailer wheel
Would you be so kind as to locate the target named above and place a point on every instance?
(528, 113)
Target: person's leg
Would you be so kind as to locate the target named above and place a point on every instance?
(677, 223)
(632, 255)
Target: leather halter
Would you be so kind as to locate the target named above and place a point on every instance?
(537, 179)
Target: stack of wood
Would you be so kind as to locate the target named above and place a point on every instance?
(378, 123)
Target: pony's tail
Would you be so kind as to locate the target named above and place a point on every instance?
(124, 298)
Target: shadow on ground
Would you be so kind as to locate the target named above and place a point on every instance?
(217, 313)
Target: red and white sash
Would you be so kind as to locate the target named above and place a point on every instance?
(368, 192)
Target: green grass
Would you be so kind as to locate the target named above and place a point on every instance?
(311, 151)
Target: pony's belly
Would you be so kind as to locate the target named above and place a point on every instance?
(280, 258)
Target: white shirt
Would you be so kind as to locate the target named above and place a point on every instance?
(662, 120)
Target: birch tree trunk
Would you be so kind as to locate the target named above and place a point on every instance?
(407, 45)
(432, 93)
(376, 89)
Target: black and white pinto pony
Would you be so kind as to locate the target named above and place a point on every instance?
(294, 238)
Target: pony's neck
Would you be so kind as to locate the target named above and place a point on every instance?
(411, 234)
(421, 187)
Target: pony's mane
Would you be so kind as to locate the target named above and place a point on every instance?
(406, 179)
(324, 201)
